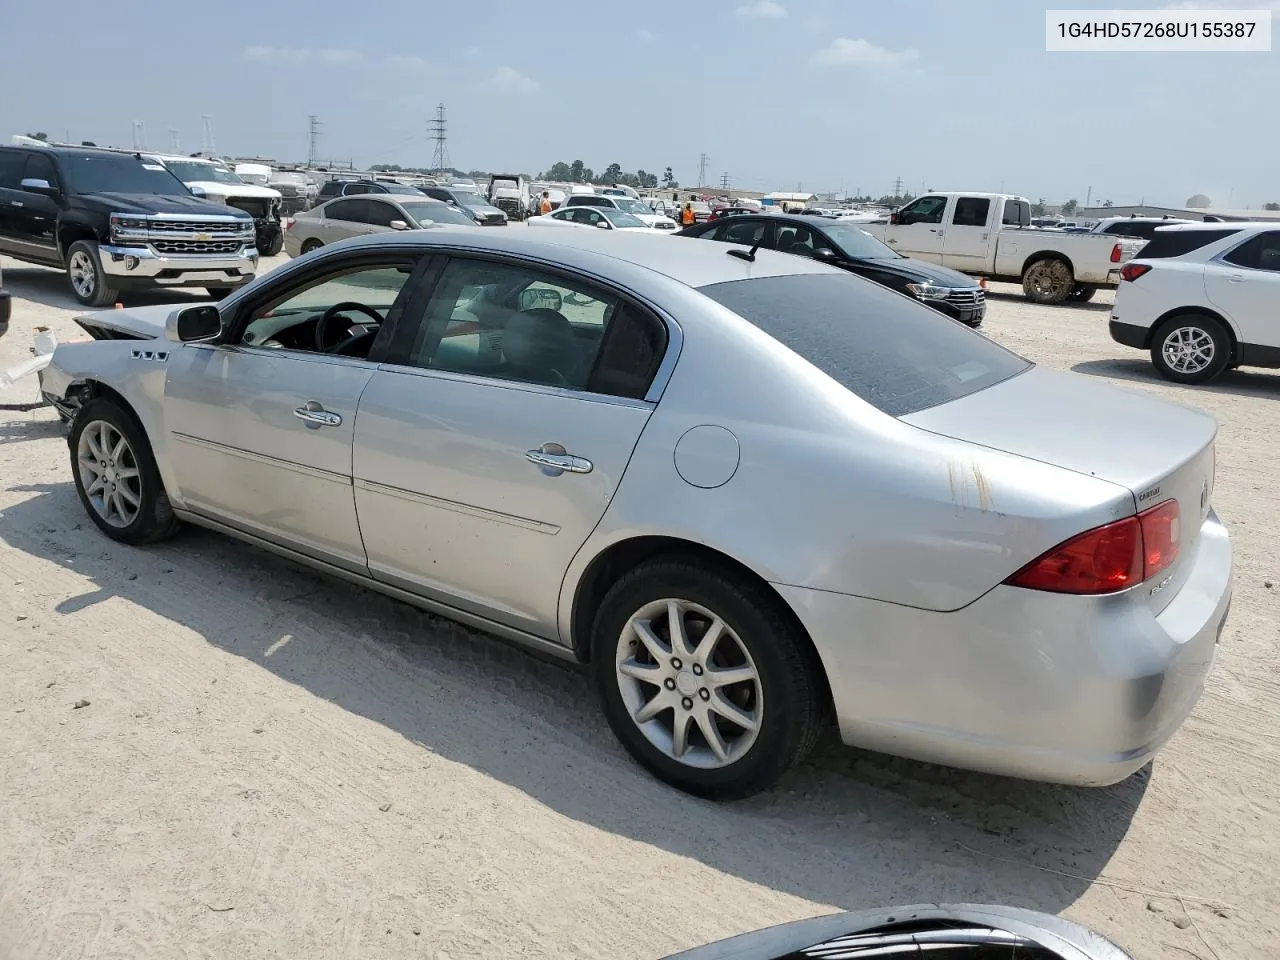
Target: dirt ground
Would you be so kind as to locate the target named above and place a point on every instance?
(272, 764)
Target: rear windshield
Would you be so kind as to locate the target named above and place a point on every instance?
(1174, 243)
(892, 352)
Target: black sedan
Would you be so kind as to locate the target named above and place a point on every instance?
(844, 245)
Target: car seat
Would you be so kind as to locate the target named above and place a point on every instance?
(538, 346)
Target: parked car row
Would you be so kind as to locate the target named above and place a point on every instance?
(566, 437)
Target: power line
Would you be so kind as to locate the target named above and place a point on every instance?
(703, 160)
(313, 139)
(724, 180)
(439, 133)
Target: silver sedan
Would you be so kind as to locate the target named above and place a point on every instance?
(359, 216)
(751, 492)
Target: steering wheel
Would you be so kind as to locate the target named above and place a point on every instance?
(339, 308)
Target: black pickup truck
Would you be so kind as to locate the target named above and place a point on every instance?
(118, 221)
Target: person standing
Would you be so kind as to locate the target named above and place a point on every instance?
(544, 205)
(687, 216)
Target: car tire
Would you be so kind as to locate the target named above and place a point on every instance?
(89, 283)
(273, 246)
(115, 474)
(310, 245)
(781, 692)
(1048, 280)
(1082, 293)
(1191, 348)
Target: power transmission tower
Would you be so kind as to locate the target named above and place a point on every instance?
(206, 130)
(897, 187)
(724, 180)
(439, 133)
(175, 144)
(703, 160)
(313, 139)
(139, 135)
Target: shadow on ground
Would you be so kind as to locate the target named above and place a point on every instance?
(1244, 383)
(1097, 307)
(51, 288)
(850, 829)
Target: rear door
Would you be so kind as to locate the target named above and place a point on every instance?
(12, 198)
(1244, 282)
(967, 235)
(919, 230)
(490, 444)
(344, 218)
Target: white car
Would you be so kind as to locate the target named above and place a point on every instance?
(1203, 297)
(637, 208)
(601, 218)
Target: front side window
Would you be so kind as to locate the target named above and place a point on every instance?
(924, 210)
(381, 214)
(40, 167)
(352, 211)
(1261, 252)
(517, 323)
(971, 212)
(340, 313)
(748, 233)
(895, 354)
(794, 239)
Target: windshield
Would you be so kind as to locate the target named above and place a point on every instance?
(191, 172)
(620, 218)
(632, 206)
(899, 356)
(858, 243)
(298, 178)
(400, 189)
(700, 207)
(118, 173)
(435, 213)
(470, 200)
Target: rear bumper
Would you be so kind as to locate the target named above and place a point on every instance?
(1079, 690)
(1128, 334)
(134, 267)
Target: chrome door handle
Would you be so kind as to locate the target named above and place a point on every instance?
(314, 415)
(554, 462)
(1236, 278)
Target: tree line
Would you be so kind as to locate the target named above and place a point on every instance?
(578, 172)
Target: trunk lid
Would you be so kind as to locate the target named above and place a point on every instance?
(1158, 450)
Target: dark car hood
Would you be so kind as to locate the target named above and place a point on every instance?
(915, 270)
(157, 203)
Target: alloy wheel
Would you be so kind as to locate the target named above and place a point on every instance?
(109, 473)
(1051, 279)
(1187, 349)
(84, 276)
(689, 683)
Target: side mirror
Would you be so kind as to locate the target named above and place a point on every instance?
(824, 253)
(604, 225)
(36, 185)
(398, 225)
(198, 324)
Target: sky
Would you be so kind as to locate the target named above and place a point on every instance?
(780, 94)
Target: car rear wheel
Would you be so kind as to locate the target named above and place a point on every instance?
(312, 244)
(1082, 293)
(708, 683)
(1191, 348)
(89, 284)
(1048, 281)
(116, 476)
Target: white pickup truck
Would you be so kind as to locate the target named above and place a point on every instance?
(989, 235)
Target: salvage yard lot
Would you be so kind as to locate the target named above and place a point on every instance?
(273, 764)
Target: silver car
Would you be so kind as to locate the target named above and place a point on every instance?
(348, 217)
(750, 491)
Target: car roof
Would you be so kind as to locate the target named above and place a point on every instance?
(1225, 225)
(609, 253)
(77, 151)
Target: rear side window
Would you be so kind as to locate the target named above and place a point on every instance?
(895, 354)
(1175, 243)
(1017, 213)
(971, 212)
(12, 163)
(1261, 252)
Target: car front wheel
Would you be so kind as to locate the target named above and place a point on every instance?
(708, 683)
(1192, 348)
(88, 281)
(116, 475)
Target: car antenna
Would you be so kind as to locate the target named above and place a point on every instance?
(747, 255)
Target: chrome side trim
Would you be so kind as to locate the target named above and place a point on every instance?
(262, 458)
(520, 385)
(520, 637)
(466, 509)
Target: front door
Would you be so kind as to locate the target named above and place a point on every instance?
(261, 427)
(1245, 285)
(491, 443)
(967, 234)
(918, 230)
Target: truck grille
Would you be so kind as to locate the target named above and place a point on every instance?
(660, 225)
(196, 246)
(967, 299)
(218, 228)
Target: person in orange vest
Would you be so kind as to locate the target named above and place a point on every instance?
(687, 217)
(544, 206)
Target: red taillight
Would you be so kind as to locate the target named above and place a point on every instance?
(1117, 252)
(288, 225)
(1108, 558)
(1132, 271)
